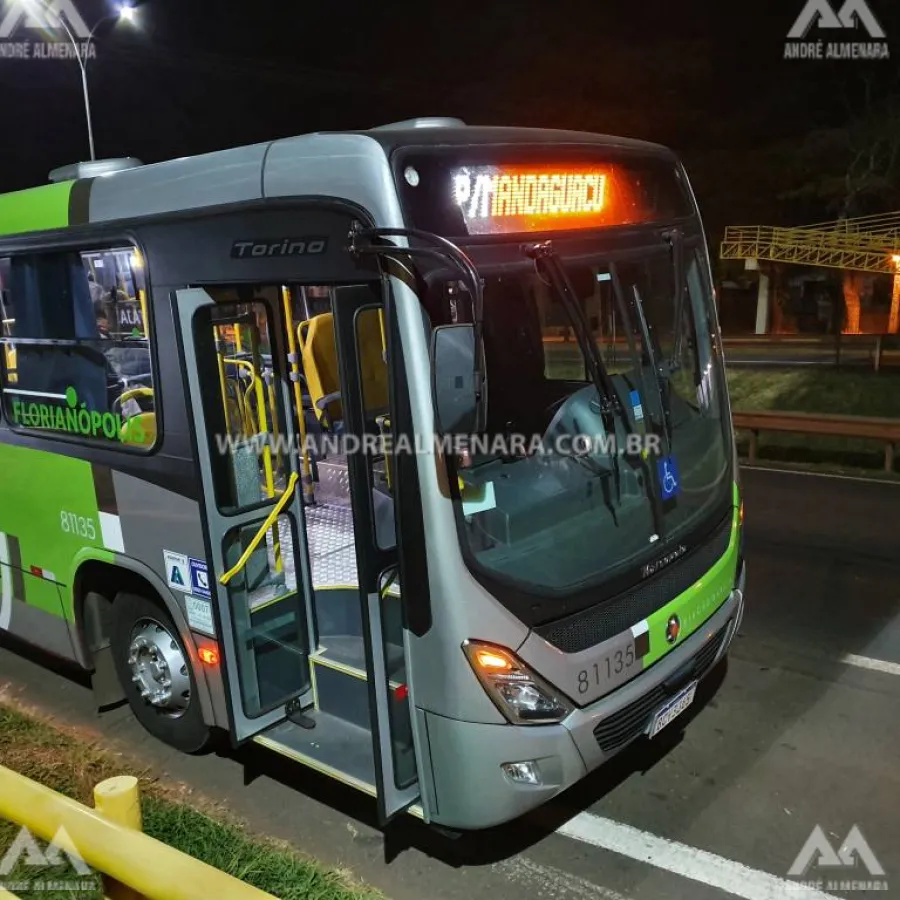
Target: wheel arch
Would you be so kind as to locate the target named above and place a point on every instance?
(95, 583)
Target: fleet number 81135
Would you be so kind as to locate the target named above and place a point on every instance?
(609, 668)
(83, 526)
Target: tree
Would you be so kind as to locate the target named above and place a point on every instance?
(854, 170)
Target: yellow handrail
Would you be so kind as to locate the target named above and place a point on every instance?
(135, 392)
(308, 490)
(269, 523)
(220, 359)
(120, 851)
(142, 298)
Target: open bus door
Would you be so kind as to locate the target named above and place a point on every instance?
(360, 332)
(255, 595)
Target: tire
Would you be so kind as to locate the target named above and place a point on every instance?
(145, 640)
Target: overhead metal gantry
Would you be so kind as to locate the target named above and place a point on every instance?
(865, 244)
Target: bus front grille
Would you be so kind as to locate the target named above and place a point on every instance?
(608, 618)
(630, 721)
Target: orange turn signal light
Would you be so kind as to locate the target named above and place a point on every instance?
(208, 656)
(492, 661)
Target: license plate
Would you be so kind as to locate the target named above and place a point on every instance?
(673, 709)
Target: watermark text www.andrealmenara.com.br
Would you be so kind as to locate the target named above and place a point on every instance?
(505, 445)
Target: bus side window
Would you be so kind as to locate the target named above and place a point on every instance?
(67, 370)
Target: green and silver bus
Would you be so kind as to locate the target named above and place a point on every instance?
(405, 453)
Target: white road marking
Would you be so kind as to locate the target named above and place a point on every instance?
(876, 665)
(885, 481)
(688, 862)
(551, 882)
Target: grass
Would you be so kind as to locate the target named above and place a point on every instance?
(71, 764)
(851, 392)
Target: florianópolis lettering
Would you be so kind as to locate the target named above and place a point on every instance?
(75, 418)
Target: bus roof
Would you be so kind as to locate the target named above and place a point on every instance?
(350, 165)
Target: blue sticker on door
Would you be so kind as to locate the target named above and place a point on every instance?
(200, 579)
(669, 478)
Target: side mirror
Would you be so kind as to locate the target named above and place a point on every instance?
(453, 379)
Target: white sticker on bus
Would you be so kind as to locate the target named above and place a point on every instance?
(199, 615)
(178, 574)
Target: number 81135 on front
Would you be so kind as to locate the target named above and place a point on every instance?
(615, 667)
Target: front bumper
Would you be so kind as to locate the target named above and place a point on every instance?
(469, 790)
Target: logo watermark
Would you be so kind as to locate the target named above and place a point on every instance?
(501, 445)
(805, 40)
(62, 869)
(48, 21)
(852, 867)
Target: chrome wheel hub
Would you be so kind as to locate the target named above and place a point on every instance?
(159, 669)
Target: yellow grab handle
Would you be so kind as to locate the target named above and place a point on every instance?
(136, 392)
(270, 521)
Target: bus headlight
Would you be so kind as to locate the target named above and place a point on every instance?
(521, 695)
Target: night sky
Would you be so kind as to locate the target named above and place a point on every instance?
(197, 75)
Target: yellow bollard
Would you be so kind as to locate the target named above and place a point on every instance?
(119, 800)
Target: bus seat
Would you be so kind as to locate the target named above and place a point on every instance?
(140, 430)
(318, 349)
(373, 367)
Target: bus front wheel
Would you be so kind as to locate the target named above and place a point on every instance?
(155, 672)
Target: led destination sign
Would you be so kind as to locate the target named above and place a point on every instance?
(505, 200)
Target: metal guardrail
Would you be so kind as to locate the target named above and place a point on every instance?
(110, 840)
(886, 430)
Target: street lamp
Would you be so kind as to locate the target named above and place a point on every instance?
(124, 11)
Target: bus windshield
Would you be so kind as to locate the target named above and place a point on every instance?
(570, 488)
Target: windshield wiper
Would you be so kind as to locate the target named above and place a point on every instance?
(675, 240)
(653, 361)
(548, 265)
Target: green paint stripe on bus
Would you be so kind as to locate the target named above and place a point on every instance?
(44, 493)
(697, 603)
(37, 209)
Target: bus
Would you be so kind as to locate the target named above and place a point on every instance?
(405, 453)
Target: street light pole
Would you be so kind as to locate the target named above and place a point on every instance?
(82, 56)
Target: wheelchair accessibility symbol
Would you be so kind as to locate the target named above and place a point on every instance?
(669, 479)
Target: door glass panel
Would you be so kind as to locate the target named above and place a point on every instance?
(244, 408)
(402, 749)
(371, 351)
(268, 613)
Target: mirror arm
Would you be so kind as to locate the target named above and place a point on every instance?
(361, 243)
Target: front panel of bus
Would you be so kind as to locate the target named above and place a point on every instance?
(586, 541)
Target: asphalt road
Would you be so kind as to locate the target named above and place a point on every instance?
(802, 730)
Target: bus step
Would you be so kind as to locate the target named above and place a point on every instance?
(341, 678)
(338, 748)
